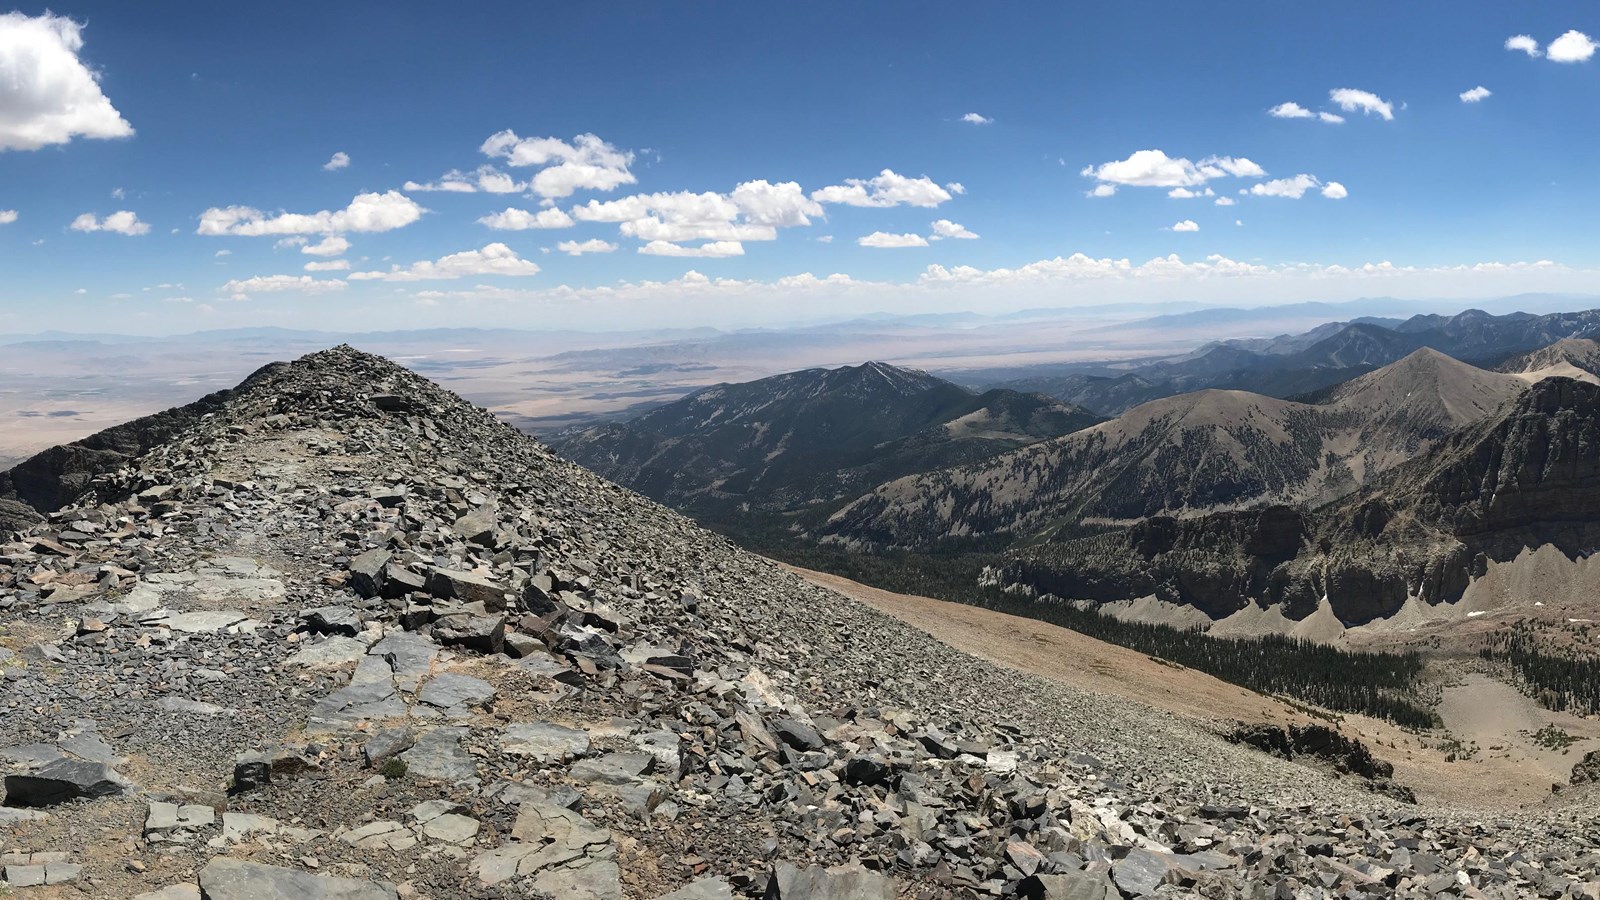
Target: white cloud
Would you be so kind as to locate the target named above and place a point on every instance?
(222, 253)
(1352, 100)
(1333, 190)
(1186, 225)
(885, 240)
(332, 245)
(47, 94)
(1292, 110)
(888, 188)
(7, 216)
(711, 249)
(1186, 194)
(328, 265)
(1476, 94)
(578, 248)
(825, 239)
(485, 178)
(1572, 47)
(1523, 43)
(1292, 188)
(339, 160)
(587, 163)
(1102, 190)
(782, 205)
(493, 259)
(975, 119)
(512, 219)
(956, 187)
(120, 222)
(944, 228)
(366, 213)
(687, 216)
(1153, 168)
(1224, 201)
(453, 181)
(260, 284)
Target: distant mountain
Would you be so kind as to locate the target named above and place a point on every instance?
(1572, 357)
(810, 439)
(1185, 455)
(1292, 365)
(1521, 478)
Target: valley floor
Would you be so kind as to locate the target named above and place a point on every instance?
(1485, 757)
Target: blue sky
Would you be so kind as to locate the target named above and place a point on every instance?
(194, 108)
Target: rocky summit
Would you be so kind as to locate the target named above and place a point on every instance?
(339, 634)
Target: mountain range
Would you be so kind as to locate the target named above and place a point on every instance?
(1291, 365)
(336, 633)
(809, 440)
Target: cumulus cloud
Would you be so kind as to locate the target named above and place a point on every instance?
(586, 163)
(511, 219)
(885, 240)
(711, 249)
(1572, 47)
(339, 160)
(7, 216)
(266, 284)
(1186, 225)
(47, 94)
(1225, 201)
(332, 245)
(782, 205)
(1352, 100)
(120, 222)
(1333, 190)
(366, 213)
(1102, 190)
(1330, 118)
(1476, 94)
(328, 265)
(944, 228)
(976, 119)
(888, 188)
(687, 216)
(1292, 188)
(1154, 168)
(1523, 43)
(493, 259)
(579, 248)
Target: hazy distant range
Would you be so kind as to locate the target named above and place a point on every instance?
(56, 387)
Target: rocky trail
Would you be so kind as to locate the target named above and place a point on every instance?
(347, 636)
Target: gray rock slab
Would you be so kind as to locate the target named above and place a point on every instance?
(233, 879)
(545, 742)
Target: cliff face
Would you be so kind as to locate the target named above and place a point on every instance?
(1526, 477)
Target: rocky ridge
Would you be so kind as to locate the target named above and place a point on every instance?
(349, 637)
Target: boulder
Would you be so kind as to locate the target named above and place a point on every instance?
(367, 572)
(848, 882)
(63, 779)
